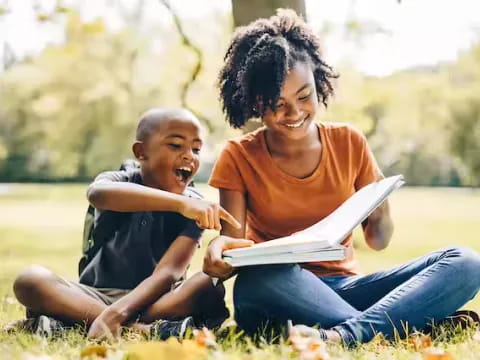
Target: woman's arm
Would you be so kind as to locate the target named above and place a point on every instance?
(378, 228)
(230, 237)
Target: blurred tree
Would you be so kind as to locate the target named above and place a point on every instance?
(246, 11)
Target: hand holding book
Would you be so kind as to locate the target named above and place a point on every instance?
(321, 241)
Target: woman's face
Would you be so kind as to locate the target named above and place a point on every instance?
(297, 104)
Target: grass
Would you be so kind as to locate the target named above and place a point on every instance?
(43, 224)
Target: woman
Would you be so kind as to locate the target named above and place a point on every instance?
(293, 172)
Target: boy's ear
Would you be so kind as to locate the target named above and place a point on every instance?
(139, 150)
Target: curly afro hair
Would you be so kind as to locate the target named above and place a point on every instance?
(257, 62)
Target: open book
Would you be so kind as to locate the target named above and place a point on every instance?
(321, 241)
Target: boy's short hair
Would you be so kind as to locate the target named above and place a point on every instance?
(150, 119)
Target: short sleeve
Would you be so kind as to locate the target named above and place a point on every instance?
(106, 221)
(226, 172)
(191, 230)
(368, 170)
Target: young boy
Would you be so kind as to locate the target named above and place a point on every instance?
(149, 221)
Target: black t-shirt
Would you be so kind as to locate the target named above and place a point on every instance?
(134, 242)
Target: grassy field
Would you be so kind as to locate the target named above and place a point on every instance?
(42, 224)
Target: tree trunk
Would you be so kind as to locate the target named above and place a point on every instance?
(246, 11)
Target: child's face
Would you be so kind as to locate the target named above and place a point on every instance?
(171, 154)
(297, 105)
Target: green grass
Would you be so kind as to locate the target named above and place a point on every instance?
(43, 224)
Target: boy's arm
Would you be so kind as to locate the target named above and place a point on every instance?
(130, 197)
(169, 269)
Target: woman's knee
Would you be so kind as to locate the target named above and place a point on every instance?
(262, 280)
(31, 283)
(467, 259)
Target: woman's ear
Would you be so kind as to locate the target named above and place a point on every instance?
(139, 150)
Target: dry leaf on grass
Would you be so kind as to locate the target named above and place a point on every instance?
(437, 354)
(419, 342)
(170, 349)
(205, 338)
(94, 350)
(309, 347)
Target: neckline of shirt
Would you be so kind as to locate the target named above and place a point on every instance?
(318, 170)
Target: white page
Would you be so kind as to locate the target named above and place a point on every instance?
(333, 229)
(352, 212)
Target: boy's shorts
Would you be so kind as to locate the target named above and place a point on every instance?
(106, 295)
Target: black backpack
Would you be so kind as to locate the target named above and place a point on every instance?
(89, 247)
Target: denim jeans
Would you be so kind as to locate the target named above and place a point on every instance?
(394, 301)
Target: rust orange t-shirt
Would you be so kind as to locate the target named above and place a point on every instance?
(279, 204)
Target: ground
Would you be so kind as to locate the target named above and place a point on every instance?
(42, 224)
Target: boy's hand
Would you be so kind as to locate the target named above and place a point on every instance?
(106, 326)
(207, 215)
(213, 263)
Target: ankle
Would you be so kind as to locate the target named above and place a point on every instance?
(333, 336)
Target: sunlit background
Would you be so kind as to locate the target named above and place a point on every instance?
(75, 75)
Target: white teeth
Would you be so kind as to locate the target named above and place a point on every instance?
(185, 168)
(297, 124)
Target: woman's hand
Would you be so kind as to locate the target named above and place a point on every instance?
(213, 263)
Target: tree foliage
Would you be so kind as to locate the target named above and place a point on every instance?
(70, 111)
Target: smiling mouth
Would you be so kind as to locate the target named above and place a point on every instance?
(183, 174)
(297, 124)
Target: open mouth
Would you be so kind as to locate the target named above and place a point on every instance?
(296, 124)
(183, 174)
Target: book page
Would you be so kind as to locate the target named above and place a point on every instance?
(333, 229)
(353, 211)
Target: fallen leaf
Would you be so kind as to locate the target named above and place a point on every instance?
(94, 350)
(437, 354)
(308, 347)
(420, 342)
(204, 338)
(170, 349)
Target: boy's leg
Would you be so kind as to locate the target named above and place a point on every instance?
(196, 296)
(43, 292)
(268, 296)
(431, 287)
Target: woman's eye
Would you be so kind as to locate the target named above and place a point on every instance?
(280, 105)
(175, 146)
(306, 97)
(196, 150)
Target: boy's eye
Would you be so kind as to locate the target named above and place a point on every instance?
(280, 105)
(196, 150)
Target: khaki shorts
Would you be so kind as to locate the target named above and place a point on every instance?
(106, 295)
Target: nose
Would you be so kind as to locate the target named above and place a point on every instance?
(188, 154)
(293, 111)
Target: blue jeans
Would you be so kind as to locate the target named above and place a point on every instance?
(409, 296)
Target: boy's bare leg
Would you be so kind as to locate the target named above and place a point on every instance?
(43, 292)
(195, 295)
